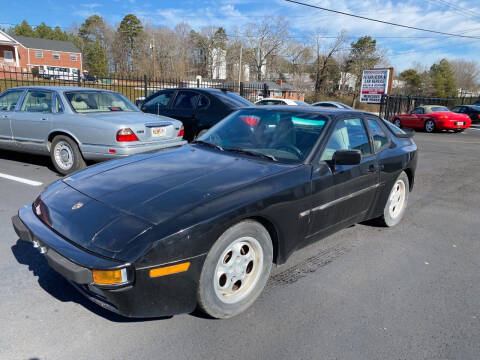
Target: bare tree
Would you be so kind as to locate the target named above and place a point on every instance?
(467, 75)
(325, 58)
(266, 39)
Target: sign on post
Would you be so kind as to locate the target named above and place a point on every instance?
(375, 83)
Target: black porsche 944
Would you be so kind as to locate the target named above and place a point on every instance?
(201, 225)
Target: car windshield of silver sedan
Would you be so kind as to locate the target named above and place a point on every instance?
(98, 101)
(285, 136)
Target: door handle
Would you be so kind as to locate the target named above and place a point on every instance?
(44, 118)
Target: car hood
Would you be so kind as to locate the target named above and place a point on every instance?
(130, 117)
(120, 200)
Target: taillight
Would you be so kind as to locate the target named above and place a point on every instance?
(181, 132)
(478, 116)
(126, 135)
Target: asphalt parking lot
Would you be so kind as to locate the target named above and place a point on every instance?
(410, 292)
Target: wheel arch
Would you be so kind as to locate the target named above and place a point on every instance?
(57, 132)
(274, 235)
(411, 178)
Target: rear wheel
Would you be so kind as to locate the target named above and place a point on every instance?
(430, 126)
(236, 270)
(66, 155)
(397, 123)
(396, 202)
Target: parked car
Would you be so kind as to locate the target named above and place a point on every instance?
(276, 101)
(198, 109)
(75, 124)
(473, 112)
(432, 118)
(159, 234)
(332, 104)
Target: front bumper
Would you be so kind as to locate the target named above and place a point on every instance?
(142, 297)
(105, 152)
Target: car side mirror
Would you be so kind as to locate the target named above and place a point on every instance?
(347, 157)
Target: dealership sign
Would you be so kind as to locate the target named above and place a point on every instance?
(375, 83)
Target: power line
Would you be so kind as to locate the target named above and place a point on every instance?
(382, 21)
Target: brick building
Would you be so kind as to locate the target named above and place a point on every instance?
(21, 54)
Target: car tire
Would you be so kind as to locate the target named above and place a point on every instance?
(396, 202)
(397, 122)
(65, 155)
(430, 126)
(236, 270)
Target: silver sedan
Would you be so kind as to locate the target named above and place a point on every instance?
(73, 124)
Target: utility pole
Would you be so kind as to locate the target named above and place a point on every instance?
(152, 46)
(240, 67)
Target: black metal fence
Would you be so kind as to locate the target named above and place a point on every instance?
(392, 105)
(134, 88)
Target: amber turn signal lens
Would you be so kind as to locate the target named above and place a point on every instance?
(109, 277)
(169, 270)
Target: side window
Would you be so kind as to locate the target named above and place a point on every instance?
(9, 100)
(58, 107)
(348, 135)
(37, 101)
(203, 102)
(185, 100)
(456, 109)
(380, 139)
(418, 110)
(161, 99)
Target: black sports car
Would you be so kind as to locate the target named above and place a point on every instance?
(158, 234)
(473, 111)
(197, 109)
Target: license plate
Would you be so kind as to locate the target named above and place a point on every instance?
(159, 131)
(459, 123)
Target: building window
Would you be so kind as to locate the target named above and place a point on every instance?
(8, 55)
(39, 54)
(73, 57)
(56, 56)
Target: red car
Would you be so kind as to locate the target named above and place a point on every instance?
(433, 118)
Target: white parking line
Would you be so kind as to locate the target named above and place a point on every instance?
(22, 180)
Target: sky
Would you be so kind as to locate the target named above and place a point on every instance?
(402, 46)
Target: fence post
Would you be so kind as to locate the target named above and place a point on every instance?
(78, 80)
(145, 90)
(198, 83)
(265, 90)
(242, 89)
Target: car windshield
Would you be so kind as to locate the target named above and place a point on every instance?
(285, 136)
(439, 108)
(98, 101)
(234, 99)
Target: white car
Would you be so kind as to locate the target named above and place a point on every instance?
(274, 101)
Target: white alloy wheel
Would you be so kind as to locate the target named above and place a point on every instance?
(397, 199)
(238, 270)
(64, 156)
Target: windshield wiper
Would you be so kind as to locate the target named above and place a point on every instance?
(253, 153)
(205, 143)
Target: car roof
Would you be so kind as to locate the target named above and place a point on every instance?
(307, 109)
(59, 88)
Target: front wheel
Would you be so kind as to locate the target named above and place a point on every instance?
(429, 126)
(66, 155)
(236, 270)
(396, 202)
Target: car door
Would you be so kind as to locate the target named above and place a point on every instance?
(342, 194)
(414, 120)
(32, 122)
(184, 109)
(158, 103)
(8, 103)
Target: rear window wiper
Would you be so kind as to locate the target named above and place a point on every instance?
(218, 147)
(253, 153)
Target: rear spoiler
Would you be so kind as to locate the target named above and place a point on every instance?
(409, 133)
